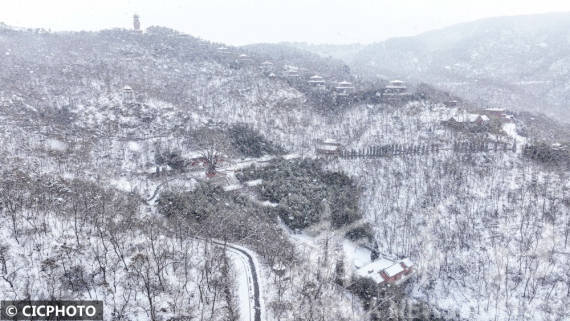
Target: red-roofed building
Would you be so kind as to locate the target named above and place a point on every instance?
(407, 265)
(384, 271)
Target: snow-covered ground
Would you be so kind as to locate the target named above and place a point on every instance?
(488, 231)
(511, 129)
(246, 302)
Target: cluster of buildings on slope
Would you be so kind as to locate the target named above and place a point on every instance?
(316, 82)
(332, 148)
(394, 90)
(480, 118)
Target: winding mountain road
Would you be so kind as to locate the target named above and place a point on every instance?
(248, 285)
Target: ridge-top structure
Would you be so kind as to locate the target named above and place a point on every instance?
(136, 22)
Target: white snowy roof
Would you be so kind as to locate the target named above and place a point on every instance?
(254, 182)
(316, 79)
(267, 63)
(327, 147)
(471, 117)
(292, 71)
(243, 56)
(290, 67)
(344, 85)
(378, 265)
(127, 88)
(373, 270)
(394, 270)
(279, 267)
(229, 188)
(291, 156)
(376, 276)
(407, 262)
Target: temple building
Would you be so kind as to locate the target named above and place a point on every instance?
(291, 71)
(244, 59)
(395, 88)
(317, 81)
(266, 66)
(344, 88)
(128, 95)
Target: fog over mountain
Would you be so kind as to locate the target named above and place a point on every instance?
(515, 62)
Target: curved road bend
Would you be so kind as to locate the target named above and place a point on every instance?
(253, 274)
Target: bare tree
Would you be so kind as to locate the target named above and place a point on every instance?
(211, 157)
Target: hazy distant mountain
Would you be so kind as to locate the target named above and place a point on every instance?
(520, 62)
(304, 58)
(344, 52)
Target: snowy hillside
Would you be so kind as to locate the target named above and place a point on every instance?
(489, 231)
(130, 158)
(120, 120)
(519, 62)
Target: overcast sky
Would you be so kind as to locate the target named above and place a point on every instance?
(238, 22)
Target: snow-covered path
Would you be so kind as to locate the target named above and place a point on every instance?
(244, 287)
(246, 267)
(511, 130)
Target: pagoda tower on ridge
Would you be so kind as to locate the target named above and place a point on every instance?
(136, 22)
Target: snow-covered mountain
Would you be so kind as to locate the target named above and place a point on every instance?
(123, 150)
(96, 127)
(341, 52)
(517, 62)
